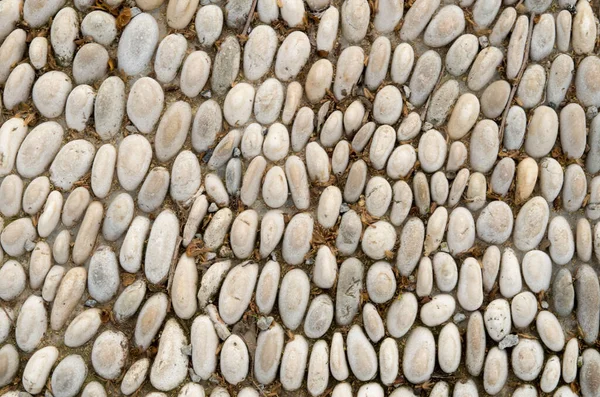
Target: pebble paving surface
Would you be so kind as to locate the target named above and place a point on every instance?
(299, 198)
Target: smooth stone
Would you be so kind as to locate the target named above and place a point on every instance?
(438, 310)
(531, 86)
(109, 354)
(170, 366)
(445, 271)
(417, 17)
(129, 301)
(584, 29)
(226, 65)
(484, 146)
(135, 376)
(378, 196)
(401, 315)
(133, 161)
(574, 188)
(379, 61)
(223, 152)
(293, 363)
(514, 131)
(18, 85)
(464, 116)
(215, 232)
(325, 268)
(588, 375)
(293, 96)
(18, 237)
(328, 29)
(523, 309)
(79, 107)
(52, 282)
(12, 51)
(531, 223)
(12, 134)
(169, 55)
(379, 239)
(497, 319)
(271, 232)
(101, 26)
(503, 26)
(293, 298)
(349, 69)
(587, 291)
(317, 377)
(551, 178)
(563, 293)
(302, 128)
(495, 372)
(38, 367)
(494, 98)
(137, 44)
(332, 130)
(209, 24)
(470, 288)
(10, 364)
(269, 347)
(543, 38)
(442, 101)
(419, 358)
(495, 223)
(562, 243)
(31, 324)
(185, 177)
(450, 356)
(297, 238)
(39, 264)
(109, 107)
(236, 291)
(411, 246)
(570, 358)
(62, 247)
(238, 104)
(194, 73)
(583, 238)
(243, 233)
(130, 254)
(550, 375)
(361, 354)
(234, 360)
(484, 68)
(277, 142)
(424, 76)
(475, 344)
(446, 25)
(180, 13)
(162, 244)
(527, 359)
(11, 193)
(355, 20)
(184, 287)
(204, 343)
(292, 56)
(71, 163)
(145, 104)
(461, 54)
(172, 130)
(338, 363)
(350, 230)
(387, 105)
(33, 158)
(502, 177)
(550, 331)
(90, 64)
(50, 93)
(207, 124)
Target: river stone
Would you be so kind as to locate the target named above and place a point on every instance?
(71, 163)
(269, 347)
(226, 65)
(588, 294)
(170, 366)
(527, 359)
(236, 291)
(523, 309)
(101, 26)
(109, 354)
(137, 44)
(293, 363)
(418, 359)
(33, 158)
(361, 355)
(348, 292)
(234, 360)
(438, 310)
(401, 314)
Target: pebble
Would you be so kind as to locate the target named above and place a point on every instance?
(361, 355)
(419, 351)
(527, 359)
(523, 309)
(137, 44)
(293, 363)
(495, 373)
(109, 107)
(38, 367)
(297, 238)
(236, 291)
(461, 54)
(170, 365)
(234, 360)
(109, 354)
(101, 26)
(71, 163)
(269, 347)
